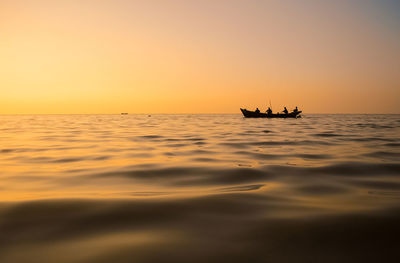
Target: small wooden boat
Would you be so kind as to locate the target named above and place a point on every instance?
(254, 114)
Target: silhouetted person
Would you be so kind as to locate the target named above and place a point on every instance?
(285, 110)
(269, 111)
(296, 110)
(257, 110)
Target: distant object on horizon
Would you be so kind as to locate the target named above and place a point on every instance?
(124, 113)
(268, 114)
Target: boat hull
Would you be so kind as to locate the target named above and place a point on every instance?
(253, 114)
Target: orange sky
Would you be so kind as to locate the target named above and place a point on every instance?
(175, 56)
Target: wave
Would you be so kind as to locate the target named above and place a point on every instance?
(183, 176)
(227, 227)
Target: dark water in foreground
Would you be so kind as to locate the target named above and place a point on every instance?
(199, 188)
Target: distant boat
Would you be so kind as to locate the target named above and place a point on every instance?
(124, 113)
(254, 114)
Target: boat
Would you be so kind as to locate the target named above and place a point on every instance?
(254, 114)
(124, 113)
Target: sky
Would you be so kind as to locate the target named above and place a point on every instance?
(176, 56)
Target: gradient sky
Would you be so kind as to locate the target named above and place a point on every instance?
(175, 56)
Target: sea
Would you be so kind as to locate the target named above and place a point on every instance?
(199, 188)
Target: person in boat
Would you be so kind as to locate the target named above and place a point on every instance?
(296, 110)
(269, 111)
(285, 110)
(257, 110)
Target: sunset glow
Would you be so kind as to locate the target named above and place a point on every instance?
(198, 56)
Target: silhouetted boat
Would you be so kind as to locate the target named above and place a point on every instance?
(253, 114)
(124, 113)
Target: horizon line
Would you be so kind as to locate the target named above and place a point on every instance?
(199, 113)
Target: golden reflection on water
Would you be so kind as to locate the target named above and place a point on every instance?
(98, 156)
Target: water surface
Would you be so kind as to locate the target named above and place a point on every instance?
(199, 188)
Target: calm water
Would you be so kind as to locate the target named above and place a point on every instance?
(199, 188)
